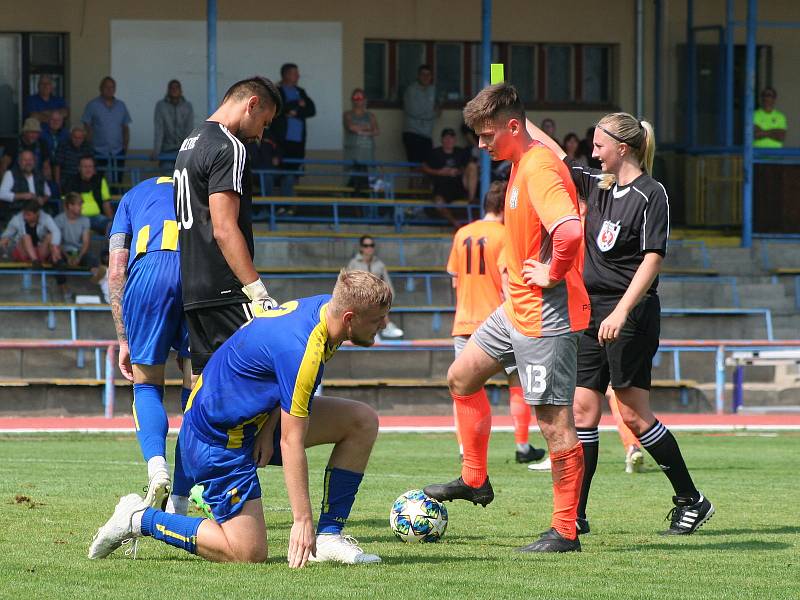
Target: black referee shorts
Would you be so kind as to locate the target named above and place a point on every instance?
(627, 361)
(209, 327)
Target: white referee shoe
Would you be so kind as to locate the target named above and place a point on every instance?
(120, 528)
(545, 465)
(341, 548)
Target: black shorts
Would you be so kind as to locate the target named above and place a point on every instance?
(209, 328)
(628, 361)
(418, 147)
(449, 188)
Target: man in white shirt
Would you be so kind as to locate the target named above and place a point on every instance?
(22, 183)
(35, 235)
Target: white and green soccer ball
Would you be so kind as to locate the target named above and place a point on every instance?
(416, 517)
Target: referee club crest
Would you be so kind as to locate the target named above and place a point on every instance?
(512, 201)
(608, 236)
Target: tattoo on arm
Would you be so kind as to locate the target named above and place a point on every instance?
(117, 275)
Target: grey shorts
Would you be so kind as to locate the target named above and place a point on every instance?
(547, 366)
(460, 341)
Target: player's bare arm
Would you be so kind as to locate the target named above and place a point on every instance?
(642, 280)
(302, 538)
(224, 208)
(119, 251)
(541, 136)
(263, 448)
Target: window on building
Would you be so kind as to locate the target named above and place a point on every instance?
(522, 70)
(375, 72)
(547, 75)
(410, 55)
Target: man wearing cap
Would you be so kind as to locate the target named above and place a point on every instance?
(455, 177)
(69, 154)
(30, 139)
(43, 104)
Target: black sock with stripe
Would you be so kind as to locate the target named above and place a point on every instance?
(663, 447)
(590, 439)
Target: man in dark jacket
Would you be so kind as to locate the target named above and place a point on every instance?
(289, 127)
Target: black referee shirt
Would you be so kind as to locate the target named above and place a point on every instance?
(622, 224)
(210, 160)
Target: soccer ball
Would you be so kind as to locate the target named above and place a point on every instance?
(416, 517)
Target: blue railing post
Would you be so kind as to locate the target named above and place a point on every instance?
(748, 108)
(486, 62)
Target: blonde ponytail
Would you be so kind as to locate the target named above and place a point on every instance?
(638, 135)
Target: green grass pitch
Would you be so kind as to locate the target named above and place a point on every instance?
(55, 490)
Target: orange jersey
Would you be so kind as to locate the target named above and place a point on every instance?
(474, 263)
(540, 197)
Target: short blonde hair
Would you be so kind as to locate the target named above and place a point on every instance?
(358, 291)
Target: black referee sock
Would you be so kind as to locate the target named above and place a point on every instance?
(590, 439)
(663, 447)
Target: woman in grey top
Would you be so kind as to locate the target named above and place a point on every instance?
(365, 260)
(360, 129)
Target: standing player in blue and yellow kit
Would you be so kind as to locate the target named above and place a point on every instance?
(146, 302)
(252, 406)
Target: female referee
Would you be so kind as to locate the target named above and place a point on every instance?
(626, 230)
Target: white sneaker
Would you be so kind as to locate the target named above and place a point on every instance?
(119, 528)
(341, 548)
(158, 490)
(634, 460)
(392, 331)
(545, 465)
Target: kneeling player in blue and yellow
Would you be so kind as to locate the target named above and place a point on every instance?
(144, 283)
(252, 406)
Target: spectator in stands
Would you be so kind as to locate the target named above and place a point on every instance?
(586, 148)
(21, 184)
(266, 155)
(106, 119)
(35, 235)
(454, 175)
(290, 126)
(572, 146)
(172, 123)
(75, 232)
(65, 165)
(29, 139)
(42, 105)
(419, 115)
(54, 134)
(93, 188)
(360, 129)
(769, 124)
(365, 260)
(549, 127)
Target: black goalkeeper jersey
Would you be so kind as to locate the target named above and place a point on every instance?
(623, 223)
(210, 160)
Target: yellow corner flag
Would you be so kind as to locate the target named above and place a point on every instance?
(497, 74)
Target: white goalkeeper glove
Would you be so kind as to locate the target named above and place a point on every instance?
(260, 300)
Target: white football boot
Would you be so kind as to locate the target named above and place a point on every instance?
(158, 490)
(545, 465)
(634, 460)
(120, 528)
(341, 548)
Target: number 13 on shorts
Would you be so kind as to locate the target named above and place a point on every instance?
(536, 379)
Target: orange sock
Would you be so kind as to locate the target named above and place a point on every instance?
(625, 434)
(567, 472)
(475, 422)
(520, 414)
(458, 429)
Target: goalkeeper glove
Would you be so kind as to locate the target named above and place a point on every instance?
(260, 300)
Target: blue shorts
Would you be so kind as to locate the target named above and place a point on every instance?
(228, 475)
(152, 309)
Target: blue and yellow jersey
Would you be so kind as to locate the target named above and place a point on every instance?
(147, 214)
(273, 360)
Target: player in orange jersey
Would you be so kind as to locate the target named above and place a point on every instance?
(477, 268)
(537, 327)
